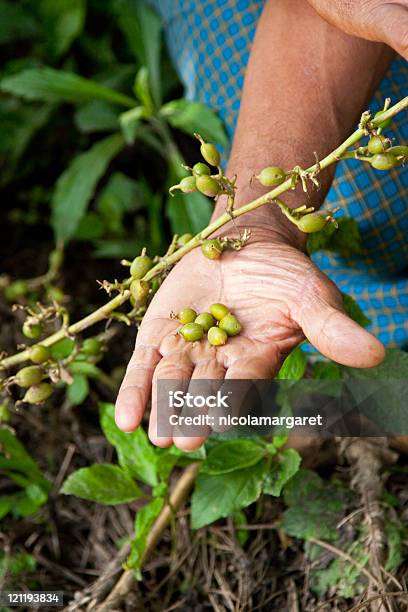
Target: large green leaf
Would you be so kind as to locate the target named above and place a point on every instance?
(62, 22)
(142, 28)
(219, 496)
(77, 184)
(15, 22)
(315, 506)
(232, 455)
(102, 483)
(135, 453)
(50, 85)
(96, 116)
(192, 117)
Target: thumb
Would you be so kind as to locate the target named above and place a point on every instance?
(391, 20)
(340, 338)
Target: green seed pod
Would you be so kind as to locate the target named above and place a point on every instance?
(201, 169)
(377, 144)
(188, 184)
(140, 266)
(29, 376)
(208, 186)
(384, 161)
(38, 394)
(184, 239)
(206, 320)
(192, 332)
(15, 290)
(212, 249)
(32, 330)
(91, 347)
(39, 353)
(271, 176)
(217, 336)
(313, 222)
(385, 123)
(187, 315)
(139, 290)
(230, 325)
(219, 311)
(210, 154)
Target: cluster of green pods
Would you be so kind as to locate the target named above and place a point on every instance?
(219, 324)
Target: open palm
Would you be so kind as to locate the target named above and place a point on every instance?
(280, 298)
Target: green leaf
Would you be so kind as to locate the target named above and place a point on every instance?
(102, 483)
(294, 366)
(77, 184)
(232, 455)
(142, 28)
(315, 506)
(326, 370)
(62, 22)
(6, 504)
(50, 85)
(130, 122)
(220, 496)
(142, 91)
(85, 368)
(345, 240)
(78, 390)
(14, 457)
(19, 124)
(239, 518)
(143, 523)
(62, 349)
(135, 453)
(281, 472)
(16, 23)
(91, 227)
(354, 311)
(96, 116)
(192, 117)
(380, 392)
(396, 533)
(121, 195)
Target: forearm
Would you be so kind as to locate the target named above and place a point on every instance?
(306, 85)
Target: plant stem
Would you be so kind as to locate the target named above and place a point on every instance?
(166, 262)
(177, 498)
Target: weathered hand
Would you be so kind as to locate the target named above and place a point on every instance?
(376, 20)
(279, 297)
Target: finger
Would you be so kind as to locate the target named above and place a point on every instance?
(340, 338)
(135, 389)
(176, 368)
(238, 386)
(392, 25)
(205, 371)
